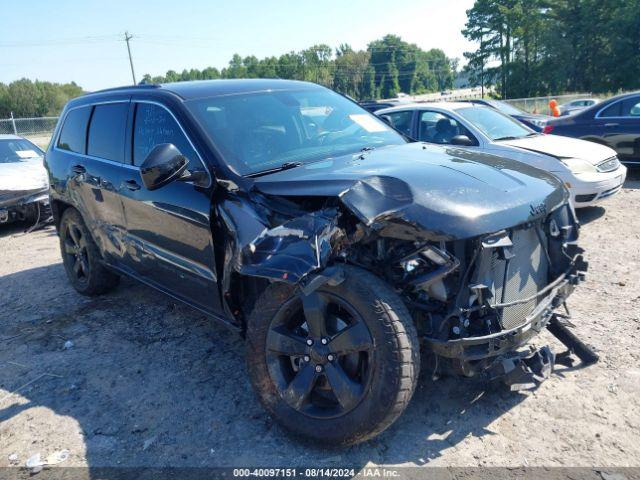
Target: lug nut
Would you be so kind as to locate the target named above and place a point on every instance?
(306, 358)
(324, 341)
(330, 357)
(309, 342)
(318, 368)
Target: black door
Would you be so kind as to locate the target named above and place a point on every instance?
(92, 138)
(105, 169)
(169, 242)
(620, 128)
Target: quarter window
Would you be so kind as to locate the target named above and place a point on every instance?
(73, 136)
(107, 131)
(153, 126)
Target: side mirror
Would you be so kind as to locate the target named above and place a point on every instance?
(462, 140)
(163, 165)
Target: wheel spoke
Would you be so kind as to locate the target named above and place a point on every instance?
(315, 309)
(346, 390)
(75, 234)
(300, 387)
(354, 338)
(68, 248)
(77, 266)
(84, 266)
(281, 341)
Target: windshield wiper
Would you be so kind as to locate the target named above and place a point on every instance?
(284, 166)
(505, 138)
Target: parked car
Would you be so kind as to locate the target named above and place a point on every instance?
(591, 172)
(373, 105)
(534, 121)
(615, 122)
(290, 214)
(577, 105)
(24, 189)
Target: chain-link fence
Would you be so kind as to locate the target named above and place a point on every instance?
(541, 104)
(37, 129)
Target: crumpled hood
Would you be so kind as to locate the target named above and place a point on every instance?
(419, 191)
(563, 147)
(24, 175)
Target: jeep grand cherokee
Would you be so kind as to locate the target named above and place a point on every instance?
(339, 250)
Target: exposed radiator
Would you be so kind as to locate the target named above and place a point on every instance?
(519, 277)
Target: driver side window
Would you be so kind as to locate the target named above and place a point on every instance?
(153, 126)
(436, 127)
(401, 121)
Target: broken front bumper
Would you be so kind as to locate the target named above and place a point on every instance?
(14, 204)
(488, 346)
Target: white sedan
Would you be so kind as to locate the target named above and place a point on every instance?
(24, 186)
(591, 171)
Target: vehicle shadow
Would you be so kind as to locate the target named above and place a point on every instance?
(17, 229)
(589, 214)
(633, 178)
(147, 382)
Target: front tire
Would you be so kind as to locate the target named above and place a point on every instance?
(81, 257)
(338, 366)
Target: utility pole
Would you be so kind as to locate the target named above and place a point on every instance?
(481, 67)
(128, 37)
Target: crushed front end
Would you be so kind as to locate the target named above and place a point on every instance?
(482, 250)
(20, 205)
(477, 301)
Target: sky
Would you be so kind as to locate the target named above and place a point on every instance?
(83, 41)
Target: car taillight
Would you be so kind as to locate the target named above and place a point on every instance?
(547, 129)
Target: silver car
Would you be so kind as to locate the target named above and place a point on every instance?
(590, 171)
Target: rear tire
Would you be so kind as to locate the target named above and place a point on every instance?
(353, 396)
(81, 257)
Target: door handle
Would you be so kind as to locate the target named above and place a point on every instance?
(132, 185)
(611, 124)
(78, 169)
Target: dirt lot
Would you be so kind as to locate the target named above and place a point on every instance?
(148, 382)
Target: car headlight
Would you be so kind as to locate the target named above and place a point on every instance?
(577, 165)
(608, 165)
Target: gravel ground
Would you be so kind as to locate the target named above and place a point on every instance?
(144, 381)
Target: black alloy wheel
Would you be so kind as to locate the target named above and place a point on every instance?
(319, 355)
(75, 251)
(338, 365)
(81, 257)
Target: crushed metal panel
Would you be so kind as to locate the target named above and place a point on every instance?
(285, 252)
(292, 250)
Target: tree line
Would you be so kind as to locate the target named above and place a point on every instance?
(387, 67)
(539, 47)
(26, 98)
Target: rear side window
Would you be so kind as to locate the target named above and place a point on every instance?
(153, 126)
(631, 107)
(73, 136)
(107, 131)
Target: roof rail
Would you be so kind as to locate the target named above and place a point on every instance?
(127, 87)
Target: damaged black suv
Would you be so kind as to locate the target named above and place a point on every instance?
(338, 249)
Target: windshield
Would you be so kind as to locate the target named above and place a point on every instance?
(261, 131)
(506, 108)
(18, 150)
(494, 124)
